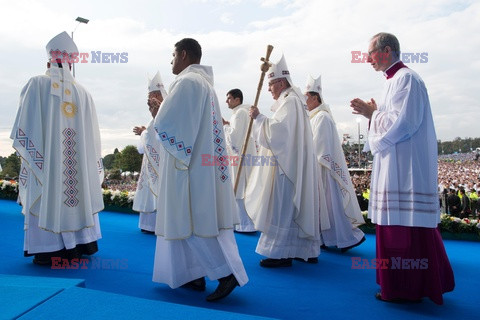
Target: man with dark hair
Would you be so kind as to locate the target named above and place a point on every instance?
(235, 133)
(404, 199)
(191, 47)
(196, 205)
(235, 94)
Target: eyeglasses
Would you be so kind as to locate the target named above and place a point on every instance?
(273, 82)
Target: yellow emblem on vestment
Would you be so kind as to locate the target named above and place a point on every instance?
(69, 109)
(68, 92)
(55, 85)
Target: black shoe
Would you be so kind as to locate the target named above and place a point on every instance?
(309, 260)
(343, 250)
(147, 231)
(225, 287)
(275, 263)
(45, 258)
(323, 247)
(197, 284)
(41, 261)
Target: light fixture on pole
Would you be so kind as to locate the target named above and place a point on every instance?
(359, 151)
(80, 20)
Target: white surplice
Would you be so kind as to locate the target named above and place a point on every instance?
(57, 136)
(337, 196)
(403, 142)
(145, 201)
(196, 204)
(235, 133)
(282, 195)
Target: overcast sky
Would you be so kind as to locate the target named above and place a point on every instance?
(316, 37)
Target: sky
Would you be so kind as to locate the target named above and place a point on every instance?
(316, 38)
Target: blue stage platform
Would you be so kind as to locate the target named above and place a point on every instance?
(117, 283)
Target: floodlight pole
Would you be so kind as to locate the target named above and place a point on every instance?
(80, 20)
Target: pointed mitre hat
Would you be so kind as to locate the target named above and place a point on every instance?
(61, 46)
(156, 84)
(279, 70)
(314, 85)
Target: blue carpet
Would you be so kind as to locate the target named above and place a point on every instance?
(330, 289)
(114, 306)
(18, 294)
(15, 301)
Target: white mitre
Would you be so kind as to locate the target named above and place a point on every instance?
(156, 84)
(61, 47)
(314, 85)
(279, 70)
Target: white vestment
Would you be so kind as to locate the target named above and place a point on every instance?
(282, 195)
(235, 133)
(145, 200)
(196, 200)
(57, 136)
(403, 142)
(338, 200)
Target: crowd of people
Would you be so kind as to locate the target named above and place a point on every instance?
(455, 172)
(458, 174)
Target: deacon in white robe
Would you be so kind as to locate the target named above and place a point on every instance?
(235, 133)
(196, 205)
(403, 197)
(338, 201)
(282, 193)
(145, 201)
(57, 136)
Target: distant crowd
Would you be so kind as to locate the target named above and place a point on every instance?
(458, 174)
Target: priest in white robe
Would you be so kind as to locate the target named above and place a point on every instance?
(145, 201)
(339, 208)
(235, 133)
(282, 193)
(196, 205)
(403, 197)
(57, 136)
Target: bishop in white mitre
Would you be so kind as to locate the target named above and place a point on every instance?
(145, 200)
(57, 136)
(282, 193)
(341, 214)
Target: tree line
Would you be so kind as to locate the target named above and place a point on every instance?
(130, 160)
(117, 162)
